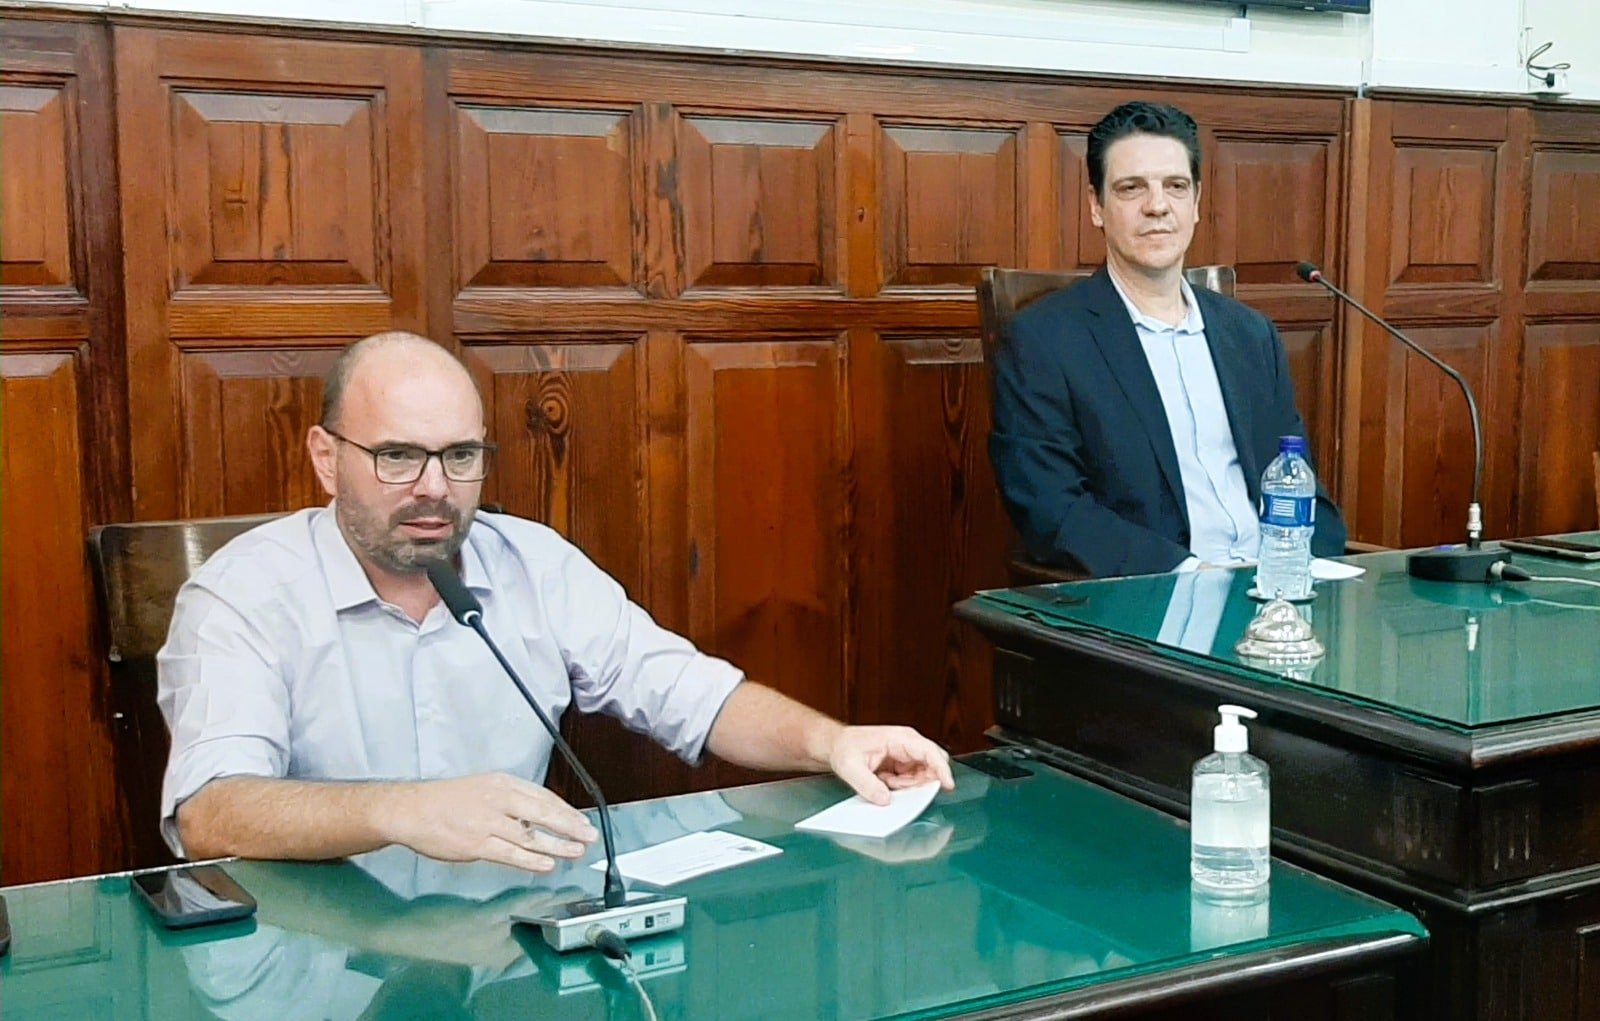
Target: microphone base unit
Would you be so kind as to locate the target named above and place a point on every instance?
(1455, 564)
(565, 927)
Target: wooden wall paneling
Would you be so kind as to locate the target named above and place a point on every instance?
(571, 416)
(1080, 242)
(568, 413)
(247, 411)
(949, 202)
(1268, 203)
(290, 178)
(760, 200)
(58, 783)
(864, 261)
(930, 530)
(1353, 261)
(545, 196)
(1443, 187)
(1560, 426)
(1560, 409)
(63, 453)
(1043, 196)
(770, 572)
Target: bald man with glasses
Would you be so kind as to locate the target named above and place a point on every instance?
(323, 703)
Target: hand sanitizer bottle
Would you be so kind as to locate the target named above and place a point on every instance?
(1230, 821)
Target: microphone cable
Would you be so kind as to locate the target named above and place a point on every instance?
(1511, 572)
(616, 948)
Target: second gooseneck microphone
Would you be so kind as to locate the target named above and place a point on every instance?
(1468, 564)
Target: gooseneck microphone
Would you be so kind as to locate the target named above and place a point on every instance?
(466, 609)
(619, 911)
(1471, 563)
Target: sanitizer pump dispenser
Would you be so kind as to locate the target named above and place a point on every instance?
(1230, 822)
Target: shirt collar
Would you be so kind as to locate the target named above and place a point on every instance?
(347, 580)
(1193, 322)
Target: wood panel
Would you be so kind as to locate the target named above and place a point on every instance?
(1264, 248)
(570, 414)
(35, 192)
(950, 204)
(769, 517)
(62, 454)
(290, 205)
(544, 197)
(246, 413)
(1312, 365)
(279, 190)
(930, 530)
(1564, 217)
(1442, 261)
(57, 773)
(1560, 427)
(760, 202)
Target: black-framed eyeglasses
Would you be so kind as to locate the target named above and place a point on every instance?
(400, 464)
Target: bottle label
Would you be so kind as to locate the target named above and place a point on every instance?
(1288, 511)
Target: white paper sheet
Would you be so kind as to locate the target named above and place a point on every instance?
(688, 856)
(858, 817)
(1333, 570)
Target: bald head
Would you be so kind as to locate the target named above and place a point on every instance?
(370, 367)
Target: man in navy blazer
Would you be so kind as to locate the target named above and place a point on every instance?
(1133, 414)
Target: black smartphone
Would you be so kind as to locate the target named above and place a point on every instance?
(1554, 547)
(182, 898)
(5, 929)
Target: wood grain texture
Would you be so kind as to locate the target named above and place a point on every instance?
(56, 780)
(63, 453)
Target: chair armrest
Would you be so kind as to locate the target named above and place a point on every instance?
(1025, 571)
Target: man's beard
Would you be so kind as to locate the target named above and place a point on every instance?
(376, 538)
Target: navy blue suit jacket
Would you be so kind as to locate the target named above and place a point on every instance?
(1081, 446)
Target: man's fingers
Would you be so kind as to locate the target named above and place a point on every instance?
(857, 772)
(548, 812)
(525, 835)
(917, 756)
(505, 852)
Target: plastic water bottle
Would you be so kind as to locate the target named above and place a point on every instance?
(1288, 519)
(1230, 812)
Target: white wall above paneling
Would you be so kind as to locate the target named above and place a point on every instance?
(1462, 45)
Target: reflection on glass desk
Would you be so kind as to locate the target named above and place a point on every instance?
(1444, 754)
(1005, 892)
(1455, 656)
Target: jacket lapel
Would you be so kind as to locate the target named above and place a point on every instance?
(1234, 375)
(1114, 334)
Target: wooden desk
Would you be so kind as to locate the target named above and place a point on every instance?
(1444, 755)
(1044, 897)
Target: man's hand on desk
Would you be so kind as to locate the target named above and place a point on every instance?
(876, 760)
(487, 817)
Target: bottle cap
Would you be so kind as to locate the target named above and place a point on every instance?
(1292, 445)
(1231, 735)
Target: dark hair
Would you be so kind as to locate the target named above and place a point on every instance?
(1140, 118)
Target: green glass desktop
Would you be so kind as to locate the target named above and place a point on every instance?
(1004, 892)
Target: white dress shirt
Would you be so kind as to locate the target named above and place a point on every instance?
(283, 662)
(1223, 528)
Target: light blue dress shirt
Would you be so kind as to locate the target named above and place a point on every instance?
(1223, 528)
(283, 662)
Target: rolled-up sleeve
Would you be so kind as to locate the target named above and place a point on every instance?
(224, 698)
(622, 662)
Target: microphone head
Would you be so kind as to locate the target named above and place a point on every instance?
(1308, 272)
(458, 599)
